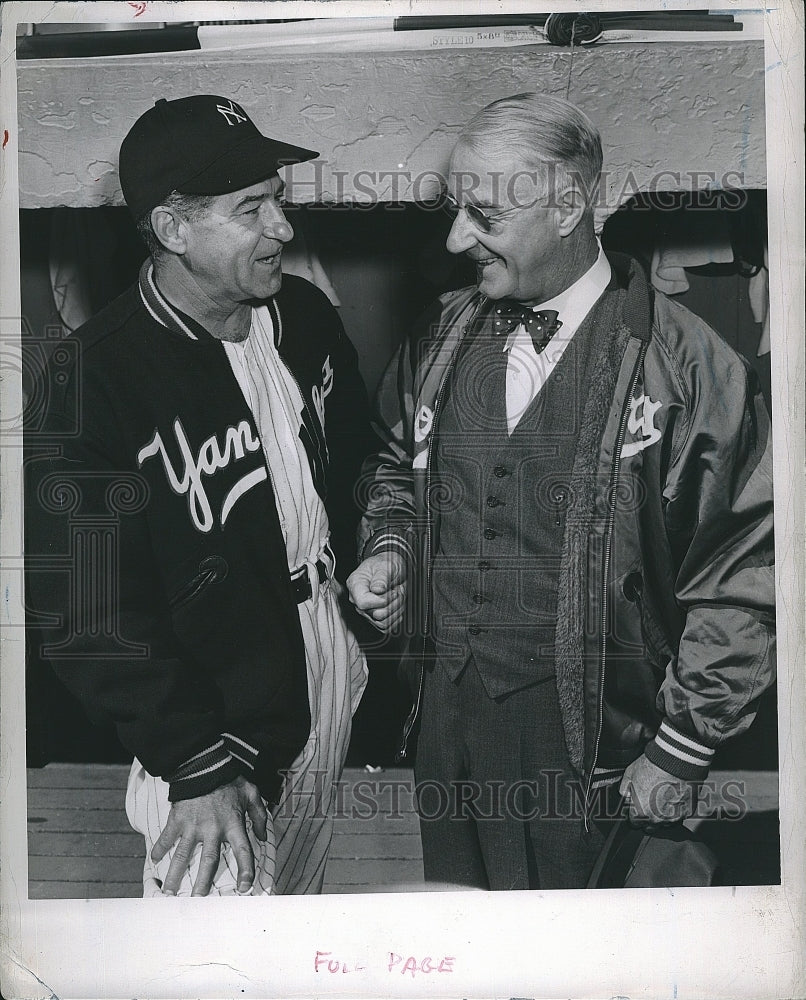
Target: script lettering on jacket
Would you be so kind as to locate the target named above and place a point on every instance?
(211, 458)
(320, 395)
(641, 424)
(423, 424)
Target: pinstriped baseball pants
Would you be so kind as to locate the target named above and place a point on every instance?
(292, 860)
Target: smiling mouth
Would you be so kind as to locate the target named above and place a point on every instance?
(269, 258)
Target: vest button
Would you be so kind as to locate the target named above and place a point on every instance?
(499, 471)
(493, 502)
(490, 533)
(478, 599)
(484, 565)
(474, 630)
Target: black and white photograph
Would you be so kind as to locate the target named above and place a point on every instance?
(402, 478)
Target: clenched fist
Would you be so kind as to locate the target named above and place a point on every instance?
(377, 588)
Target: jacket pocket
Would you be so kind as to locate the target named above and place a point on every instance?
(212, 569)
(655, 642)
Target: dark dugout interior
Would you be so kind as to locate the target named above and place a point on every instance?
(386, 262)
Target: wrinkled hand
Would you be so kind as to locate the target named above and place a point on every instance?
(655, 797)
(378, 589)
(212, 820)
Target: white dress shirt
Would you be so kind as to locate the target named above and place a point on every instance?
(527, 371)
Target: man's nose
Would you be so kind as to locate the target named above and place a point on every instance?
(275, 225)
(462, 235)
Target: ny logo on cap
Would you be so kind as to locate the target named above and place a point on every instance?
(232, 113)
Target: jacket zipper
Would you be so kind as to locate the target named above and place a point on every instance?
(415, 711)
(608, 537)
(411, 718)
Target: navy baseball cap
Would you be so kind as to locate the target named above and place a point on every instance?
(197, 145)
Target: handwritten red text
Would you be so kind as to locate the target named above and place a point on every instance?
(414, 965)
(323, 961)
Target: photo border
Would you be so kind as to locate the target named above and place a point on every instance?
(685, 944)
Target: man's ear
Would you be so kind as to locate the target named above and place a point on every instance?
(169, 228)
(572, 206)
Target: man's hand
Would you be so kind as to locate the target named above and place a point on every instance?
(655, 797)
(212, 820)
(378, 589)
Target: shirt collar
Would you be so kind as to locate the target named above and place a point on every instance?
(574, 304)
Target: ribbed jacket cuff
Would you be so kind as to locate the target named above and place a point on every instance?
(603, 777)
(679, 754)
(390, 541)
(204, 772)
(241, 751)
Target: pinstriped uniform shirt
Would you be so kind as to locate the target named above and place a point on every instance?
(276, 403)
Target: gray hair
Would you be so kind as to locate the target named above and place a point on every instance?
(551, 136)
(190, 206)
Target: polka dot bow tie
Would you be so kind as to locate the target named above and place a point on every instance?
(541, 326)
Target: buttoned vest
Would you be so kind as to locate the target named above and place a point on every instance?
(502, 500)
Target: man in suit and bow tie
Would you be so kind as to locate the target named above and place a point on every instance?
(573, 506)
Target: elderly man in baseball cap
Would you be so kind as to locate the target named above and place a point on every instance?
(226, 399)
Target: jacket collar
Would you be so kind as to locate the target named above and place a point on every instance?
(167, 314)
(161, 309)
(639, 302)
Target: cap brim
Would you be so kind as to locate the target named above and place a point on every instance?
(252, 161)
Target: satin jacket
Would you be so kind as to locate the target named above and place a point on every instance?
(665, 634)
(157, 579)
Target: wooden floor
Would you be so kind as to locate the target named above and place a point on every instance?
(80, 844)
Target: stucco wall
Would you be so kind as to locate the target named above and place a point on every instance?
(666, 111)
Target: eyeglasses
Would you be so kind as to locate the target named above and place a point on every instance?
(480, 219)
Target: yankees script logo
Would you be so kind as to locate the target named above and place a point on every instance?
(211, 458)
